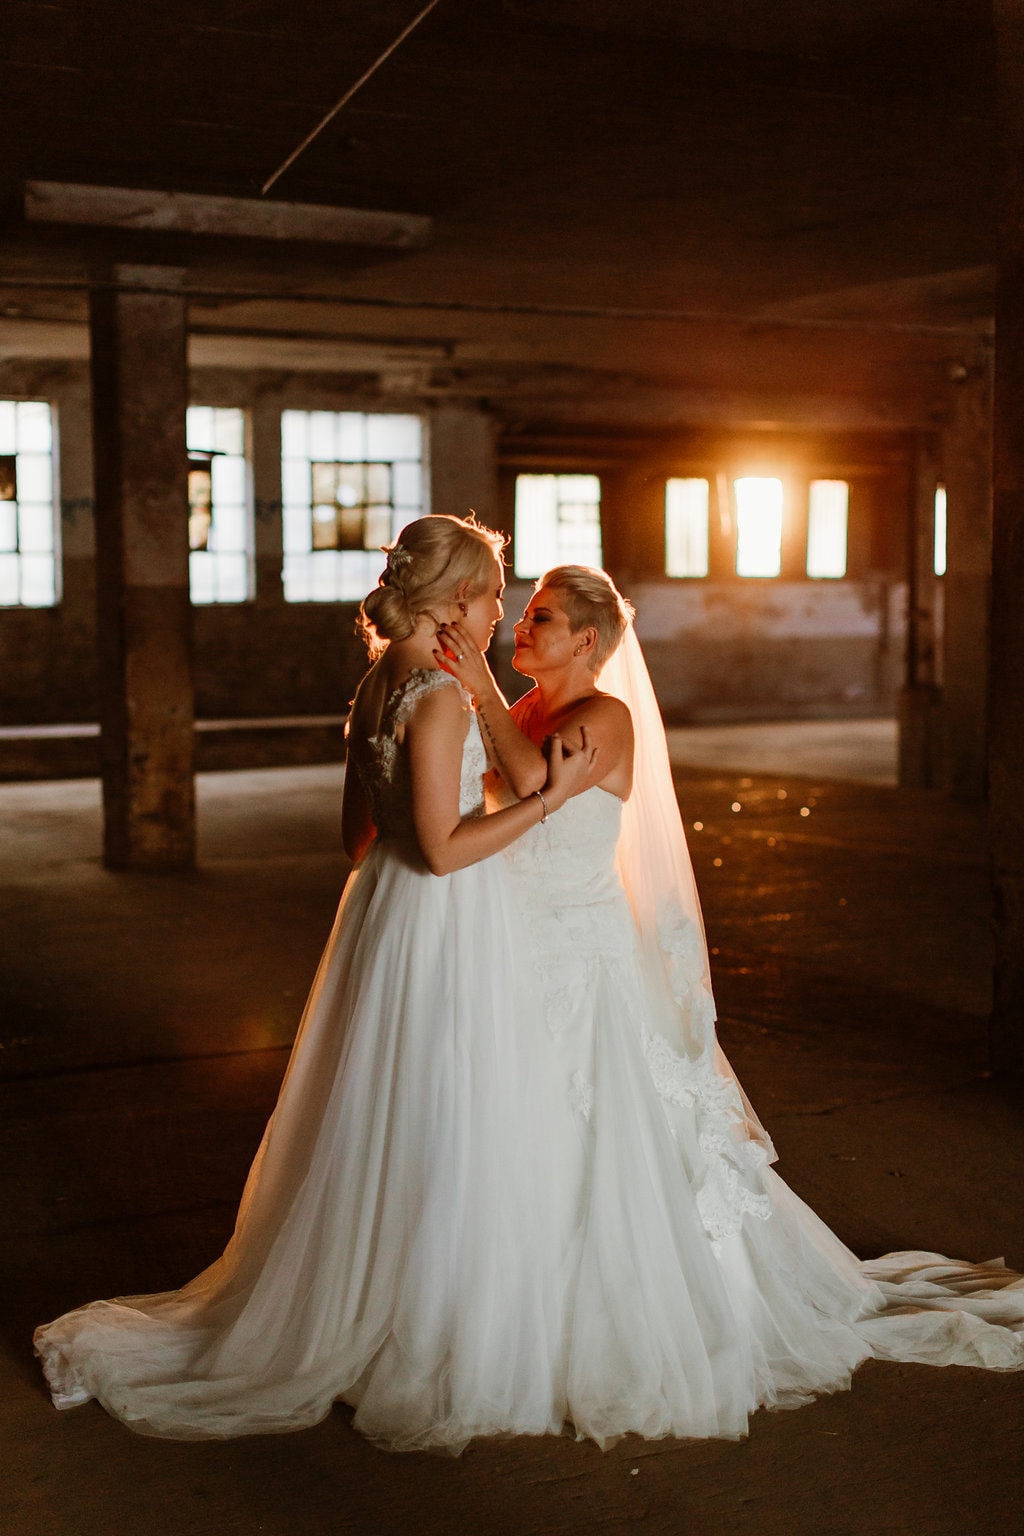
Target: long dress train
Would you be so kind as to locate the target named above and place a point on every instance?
(701, 1286)
(500, 1192)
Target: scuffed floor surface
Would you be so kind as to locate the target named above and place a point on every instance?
(145, 1024)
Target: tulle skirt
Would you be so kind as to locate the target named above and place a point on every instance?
(391, 1247)
(701, 1286)
(471, 1216)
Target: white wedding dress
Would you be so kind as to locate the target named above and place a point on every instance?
(499, 1195)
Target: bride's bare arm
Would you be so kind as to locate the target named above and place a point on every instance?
(434, 738)
(520, 762)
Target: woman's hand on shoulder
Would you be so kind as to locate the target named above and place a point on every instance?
(570, 769)
(609, 727)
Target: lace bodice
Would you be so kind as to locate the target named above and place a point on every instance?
(383, 766)
(585, 945)
(569, 890)
(573, 852)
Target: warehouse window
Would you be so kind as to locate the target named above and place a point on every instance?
(28, 523)
(686, 527)
(351, 482)
(940, 530)
(219, 506)
(558, 522)
(827, 518)
(758, 526)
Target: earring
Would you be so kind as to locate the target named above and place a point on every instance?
(463, 609)
(577, 651)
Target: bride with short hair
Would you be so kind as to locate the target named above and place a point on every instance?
(511, 1182)
(700, 1286)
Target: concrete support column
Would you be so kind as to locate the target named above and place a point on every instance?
(796, 488)
(722, 529)
(967, 472)
(921, 753)
(265, 427)
(139, 398)
(463, 464)
(1006, 695)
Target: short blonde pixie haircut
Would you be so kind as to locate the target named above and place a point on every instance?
(591, 598)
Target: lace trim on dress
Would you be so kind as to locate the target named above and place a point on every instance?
(383, 770)
(732, 1159)
(581, 1096)
(682, 942)
(399, 706)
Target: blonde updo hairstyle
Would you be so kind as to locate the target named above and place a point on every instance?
(591, 599)
(427, 564)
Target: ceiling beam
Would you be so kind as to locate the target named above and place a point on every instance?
(130, 208)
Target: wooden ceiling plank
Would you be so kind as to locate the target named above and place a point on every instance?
(129, 208)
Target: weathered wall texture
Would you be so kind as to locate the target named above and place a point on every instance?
(723, 649)
(760, 650)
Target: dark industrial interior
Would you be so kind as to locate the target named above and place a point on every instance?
(726, 297)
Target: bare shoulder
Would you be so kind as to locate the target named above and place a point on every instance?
(605, 714)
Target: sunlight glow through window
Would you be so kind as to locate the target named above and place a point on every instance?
(758, 526)
(940, 530)
(827, 517)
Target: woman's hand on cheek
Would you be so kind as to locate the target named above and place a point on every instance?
(462, 657)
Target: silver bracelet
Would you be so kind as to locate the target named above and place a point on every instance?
(544, 807)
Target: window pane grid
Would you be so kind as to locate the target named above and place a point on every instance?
(28, 524)
(220, 517)
(350, 483)
(557, 522)
(687, 504)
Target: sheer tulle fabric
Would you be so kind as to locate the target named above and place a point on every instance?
(509, 1184)
(371, 1258)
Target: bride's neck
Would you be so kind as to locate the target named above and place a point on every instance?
(415, 651)
(559, 695)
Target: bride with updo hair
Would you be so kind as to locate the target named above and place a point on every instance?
(394, 1247)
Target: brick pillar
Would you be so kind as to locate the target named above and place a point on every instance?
(1006, 693)
(139, 398)
(967, 473)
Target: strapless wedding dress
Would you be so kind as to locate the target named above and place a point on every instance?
(494, 1198)
(701, 1287)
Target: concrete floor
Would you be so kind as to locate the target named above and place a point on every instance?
(863, 751)
(144, 1029)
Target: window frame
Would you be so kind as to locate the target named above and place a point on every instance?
(211, 453)
(359, 579)
(54, 553)
(561, 556)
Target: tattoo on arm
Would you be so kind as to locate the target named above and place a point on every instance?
(490, 736)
